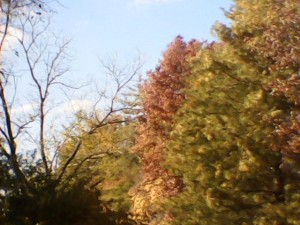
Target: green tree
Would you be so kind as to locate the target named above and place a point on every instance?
(221, 143)
(241, 105)
(105, 161)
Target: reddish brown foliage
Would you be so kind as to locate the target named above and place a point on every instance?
(287, 128)
(269, 32)
(280, 48)
(161, 97)
(269, 38)
(281, 39)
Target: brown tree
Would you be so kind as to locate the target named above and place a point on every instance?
(161, 96)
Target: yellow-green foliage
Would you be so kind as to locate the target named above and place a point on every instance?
(240, 107)
(106, 162)
(221, 144)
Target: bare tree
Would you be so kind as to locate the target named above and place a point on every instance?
(10, 11)
(113, 105)
(45, 58)
(42, 65)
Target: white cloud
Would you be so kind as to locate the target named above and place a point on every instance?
(63, 111)
(23, 109)
(12, 37)
(76, 105)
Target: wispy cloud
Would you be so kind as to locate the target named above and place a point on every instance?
(24, 109)
(76, 105)
(12, 37)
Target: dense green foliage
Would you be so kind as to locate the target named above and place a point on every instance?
(238, 110)
(222, 143)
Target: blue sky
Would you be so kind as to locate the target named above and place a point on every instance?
(102, 28)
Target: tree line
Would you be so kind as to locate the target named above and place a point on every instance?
(210, 137)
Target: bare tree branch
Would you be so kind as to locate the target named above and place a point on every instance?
(10, 138)
(65, 166)
(6, 25)
(5, 152)
(93, 156)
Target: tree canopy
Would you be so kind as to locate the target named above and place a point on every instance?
(211, 137)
